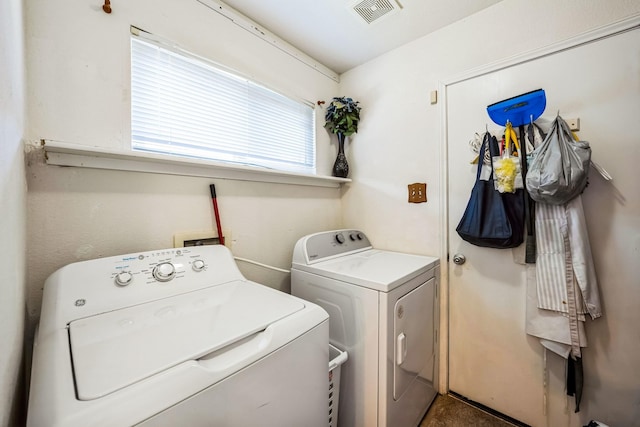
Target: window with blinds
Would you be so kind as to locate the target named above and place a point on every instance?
(187, 106)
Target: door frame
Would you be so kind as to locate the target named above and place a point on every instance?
(630, 23)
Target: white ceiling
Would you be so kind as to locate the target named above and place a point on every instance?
(333, 34)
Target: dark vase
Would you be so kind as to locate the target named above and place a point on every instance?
(341, 167)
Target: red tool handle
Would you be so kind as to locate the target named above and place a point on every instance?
(212, 188)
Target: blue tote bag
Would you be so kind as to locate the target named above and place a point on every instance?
(492, 219)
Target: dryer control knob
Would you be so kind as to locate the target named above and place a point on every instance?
(164, 272)
(340, 238)
(198, 265)
(124, 278)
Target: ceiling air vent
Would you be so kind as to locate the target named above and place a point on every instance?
(373, 10)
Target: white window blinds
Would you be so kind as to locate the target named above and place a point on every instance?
(186, 106)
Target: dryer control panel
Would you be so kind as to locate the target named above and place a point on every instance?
(330, 244)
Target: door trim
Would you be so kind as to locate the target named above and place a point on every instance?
(628, 24)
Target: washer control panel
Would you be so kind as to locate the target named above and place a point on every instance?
(89, 287)
(157, 267)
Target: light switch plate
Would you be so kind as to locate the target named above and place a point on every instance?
(417, 192)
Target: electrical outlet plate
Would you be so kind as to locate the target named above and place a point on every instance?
(200, 238)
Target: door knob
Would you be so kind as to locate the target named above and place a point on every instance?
(459, 259)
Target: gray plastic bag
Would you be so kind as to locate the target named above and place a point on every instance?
(559, 167)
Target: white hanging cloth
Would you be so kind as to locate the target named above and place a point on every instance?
(562, 245)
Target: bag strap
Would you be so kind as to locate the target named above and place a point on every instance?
(494, 150)
(486, 140)
(529, 205)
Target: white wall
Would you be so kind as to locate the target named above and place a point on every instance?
(78, 63)
(399, 143)
(12, 210)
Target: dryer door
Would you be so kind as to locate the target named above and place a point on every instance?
(413, 326)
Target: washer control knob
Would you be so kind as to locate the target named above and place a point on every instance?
(340, 238)
(164, 272)
(198, 265)
(353, 237)
(360, 236)
(124, 278)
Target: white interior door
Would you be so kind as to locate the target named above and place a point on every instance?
(491, 359)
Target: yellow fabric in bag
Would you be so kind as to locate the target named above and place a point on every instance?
(507, 167)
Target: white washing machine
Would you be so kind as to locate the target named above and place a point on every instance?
(383, 310)
(175, 337)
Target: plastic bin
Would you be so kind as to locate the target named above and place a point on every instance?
(336, 358)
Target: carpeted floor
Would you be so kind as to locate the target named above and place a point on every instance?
(447, 411)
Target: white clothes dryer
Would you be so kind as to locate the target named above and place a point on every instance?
(383, 310)
(175, 337)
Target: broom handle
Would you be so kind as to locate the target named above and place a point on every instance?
(214, 199)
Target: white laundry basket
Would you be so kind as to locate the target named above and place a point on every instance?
(336, 358)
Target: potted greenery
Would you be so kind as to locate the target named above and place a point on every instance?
(342, 118)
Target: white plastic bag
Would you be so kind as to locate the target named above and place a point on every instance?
(506, 167)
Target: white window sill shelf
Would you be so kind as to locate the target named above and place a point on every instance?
(66, 154)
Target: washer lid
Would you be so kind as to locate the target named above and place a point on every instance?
(115, 349)
(374, 269)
